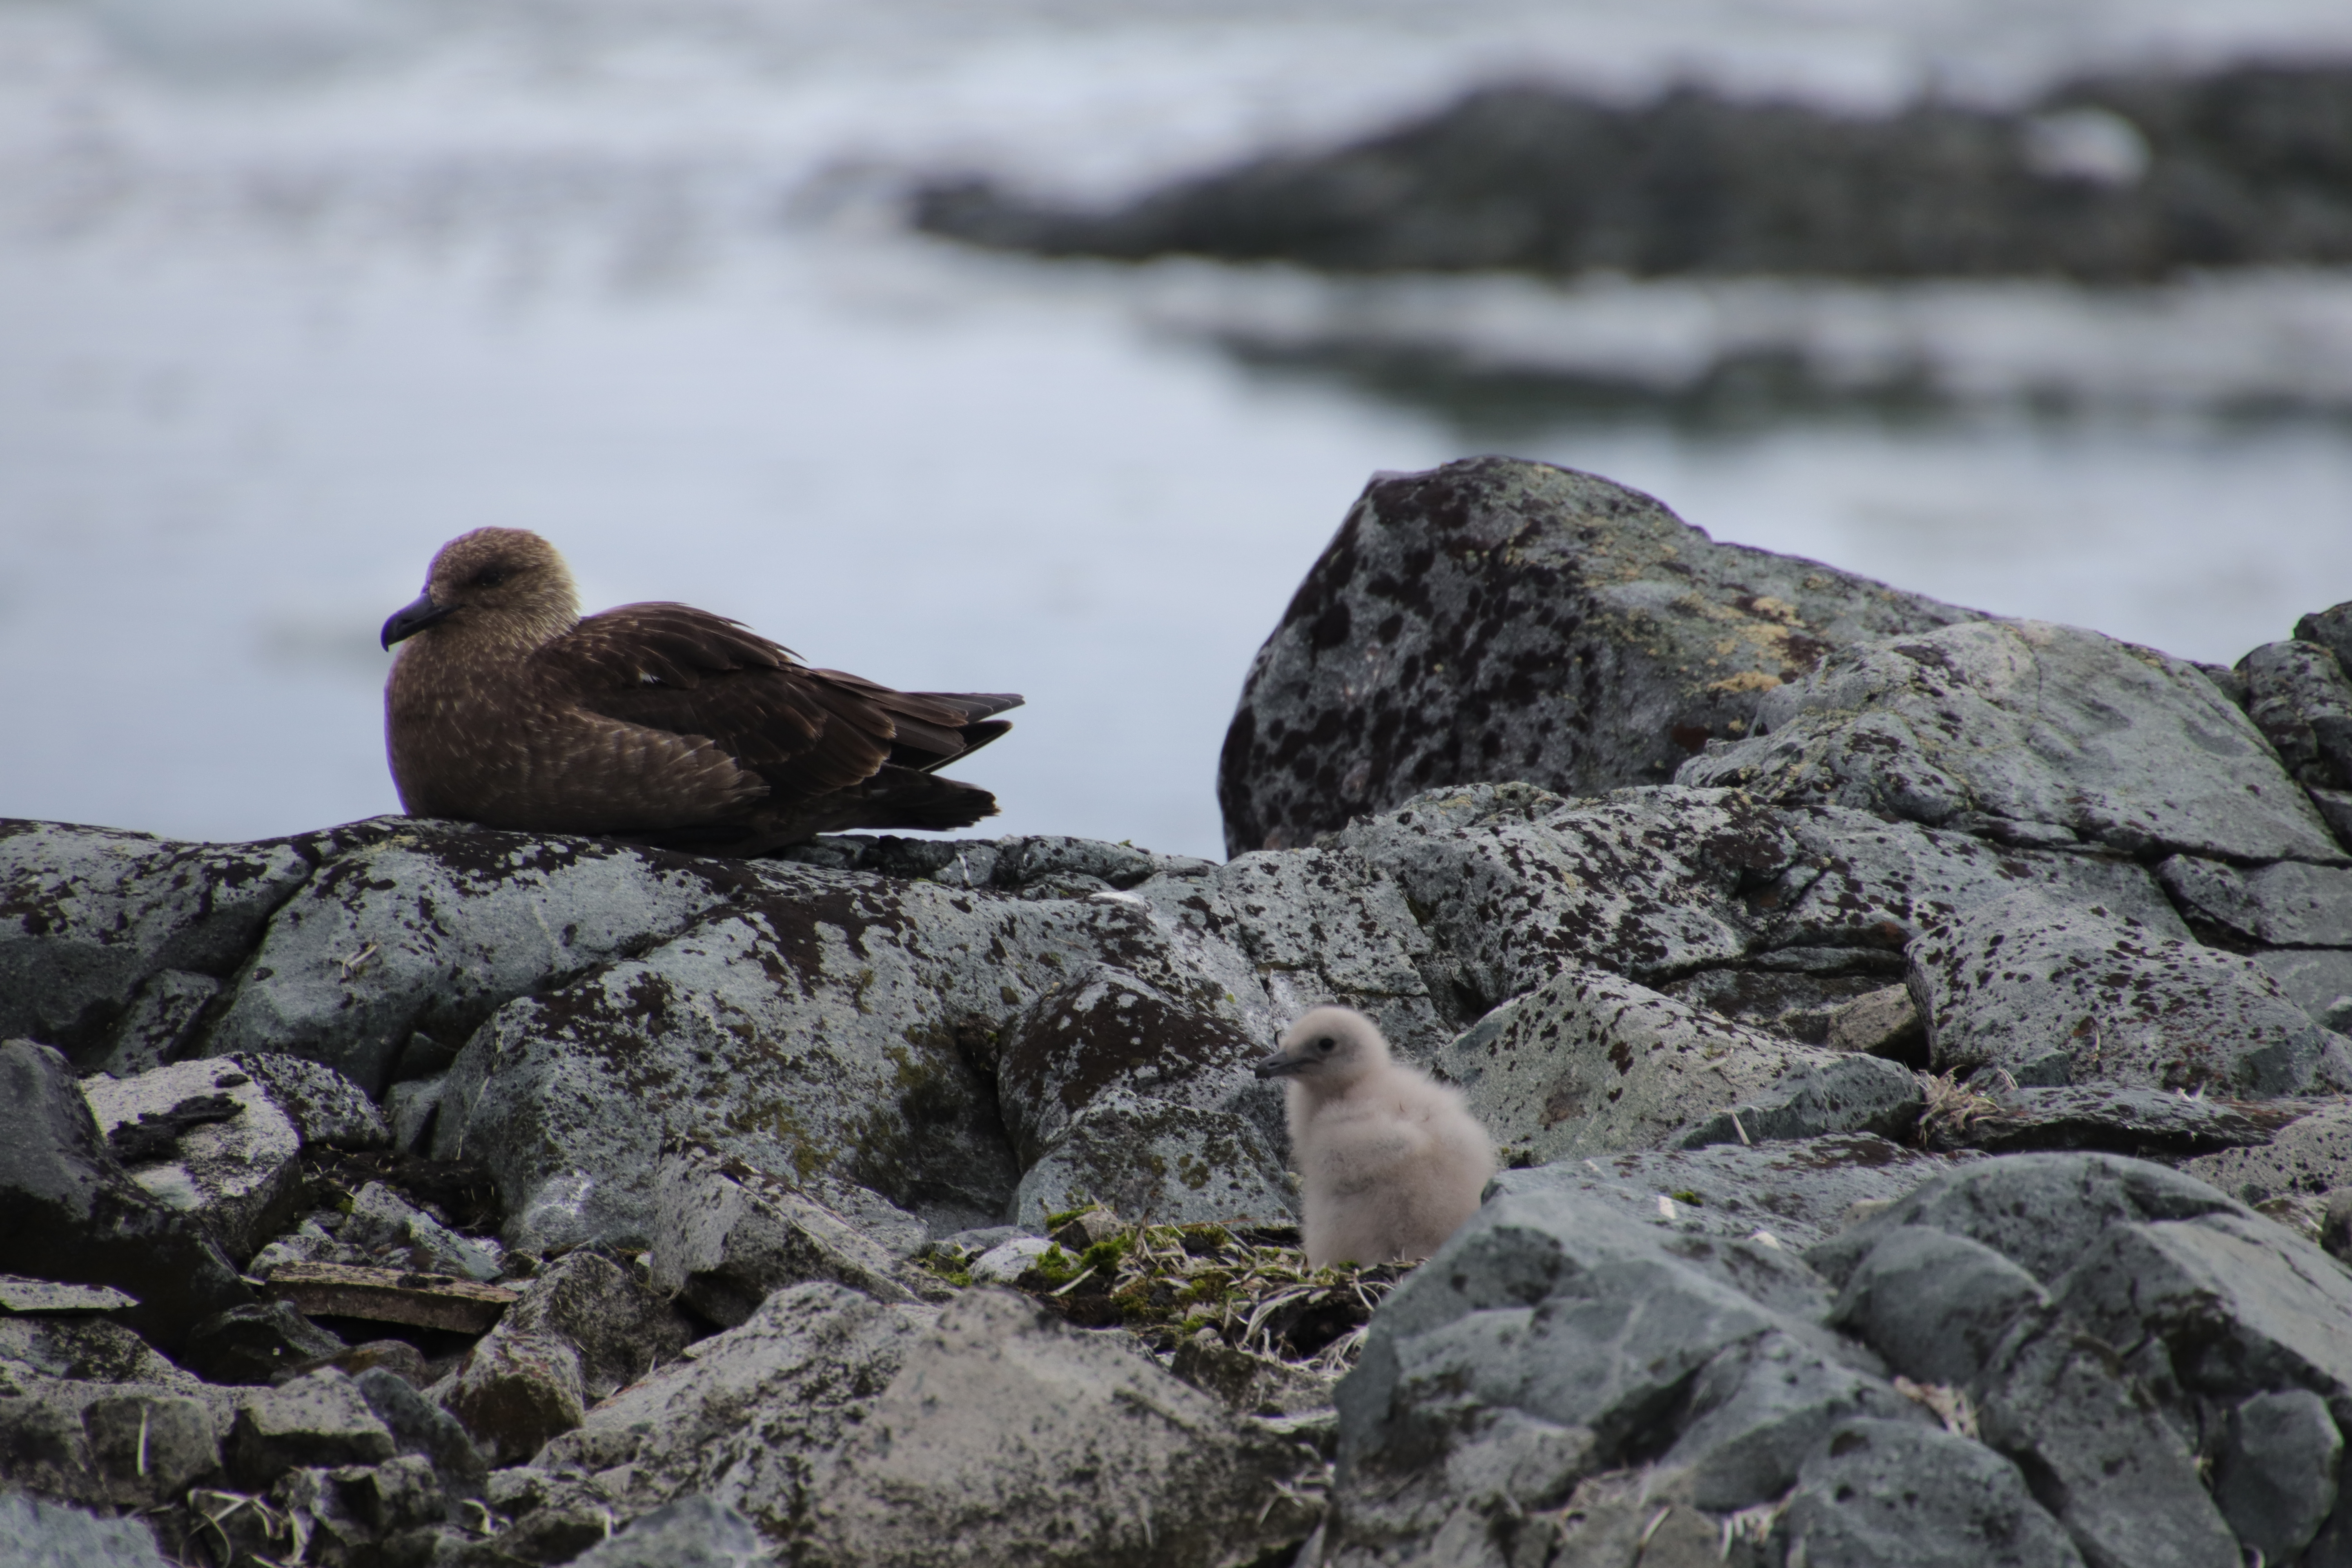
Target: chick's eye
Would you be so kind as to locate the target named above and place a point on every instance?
(1325, 1044)
(489, 577)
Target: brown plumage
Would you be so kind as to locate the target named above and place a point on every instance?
(659, 723)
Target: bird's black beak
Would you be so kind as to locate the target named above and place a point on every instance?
(1278, 1066)
(414, 618)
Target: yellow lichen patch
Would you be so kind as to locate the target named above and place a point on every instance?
(1778, 610)
(1745, 680)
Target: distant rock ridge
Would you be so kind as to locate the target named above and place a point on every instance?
(2125, 178)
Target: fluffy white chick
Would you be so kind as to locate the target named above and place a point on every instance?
(1390, 1163)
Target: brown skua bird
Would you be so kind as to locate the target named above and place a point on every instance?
(659, 723)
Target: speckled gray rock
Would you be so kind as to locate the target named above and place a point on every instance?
(1550, 1313)
(238, 1175)
(1007, 1437)
(1885, 1494)
(1495, 618)
(2297, 695)
(516, 1391)
(2023, 723)
(1935, 1305)
(1759, 1407)
(1168, 1164)
(80, 1439)
(1590, 1063)
(2312, 1155)
(328, 1110)
(40, 1533)
(726, 1237)
(2117, 1474)
(1848, 1093)
(1516, 885)
(89, 914)
(692, 1532)
(750, 1418)
(2243, 1305)
(374, 949)
(2318, 981)
(68, 1212)
(1855, 880)
(2041, 1212)
(321, 1418)
(1797, 1194)
(2145, 1123)
(2287, 904)
(2054, 994)
(2276, 1478)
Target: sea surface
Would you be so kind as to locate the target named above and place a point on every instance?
(293, 291)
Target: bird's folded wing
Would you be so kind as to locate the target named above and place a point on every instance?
(933, 727)
(674, 668)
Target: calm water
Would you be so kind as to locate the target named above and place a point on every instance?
(289, 293)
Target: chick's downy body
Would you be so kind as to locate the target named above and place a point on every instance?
(1390, 1162)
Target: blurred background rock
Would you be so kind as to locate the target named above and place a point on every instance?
(1033, 346)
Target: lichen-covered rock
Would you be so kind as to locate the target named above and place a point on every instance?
(2120, 1479)
(692, 1532)
(1591, 1064)
(2298, 696)
(206, 1137)
(726, 1237)
(1551, 1339)
(1849, 1093)
(321, 1418)
(2041, 1212)
(1935, 1305)
(87, 915)
(2052, 996)
(2276, 1478)
(1170, 1164)
(424, 928)
(516, 1391)
(1887, 1494)
(51, 1535)
(2023, 723)
(130, 1445)
(68, 1212)
(2311, 1156)
(2145, 1123)
(1796, 1194)
(1494, 619)
(2286, 904)
(749, 1419)
(1006, 1436)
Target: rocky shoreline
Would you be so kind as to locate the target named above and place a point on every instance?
(1914, 1038)
(2112, 180)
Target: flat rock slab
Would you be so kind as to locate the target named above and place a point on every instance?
(1008, 1436)
(1497, 618)
(1798, 1194)
(2288, 904)
(2310, 1155)
(18, 1294)
(2054, 994)
(2145, 1123)
(205, 1136)
(2028, 722)
(1591, 1063)
(390, 1296)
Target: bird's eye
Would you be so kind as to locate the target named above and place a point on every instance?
(1326, 1043)
(488, 577)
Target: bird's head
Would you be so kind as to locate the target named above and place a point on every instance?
(501, 584)
(1327, 1050)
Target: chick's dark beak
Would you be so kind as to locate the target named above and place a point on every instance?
(414, 618)
(1278, 1066)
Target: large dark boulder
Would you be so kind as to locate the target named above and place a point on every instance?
(1501, 619)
